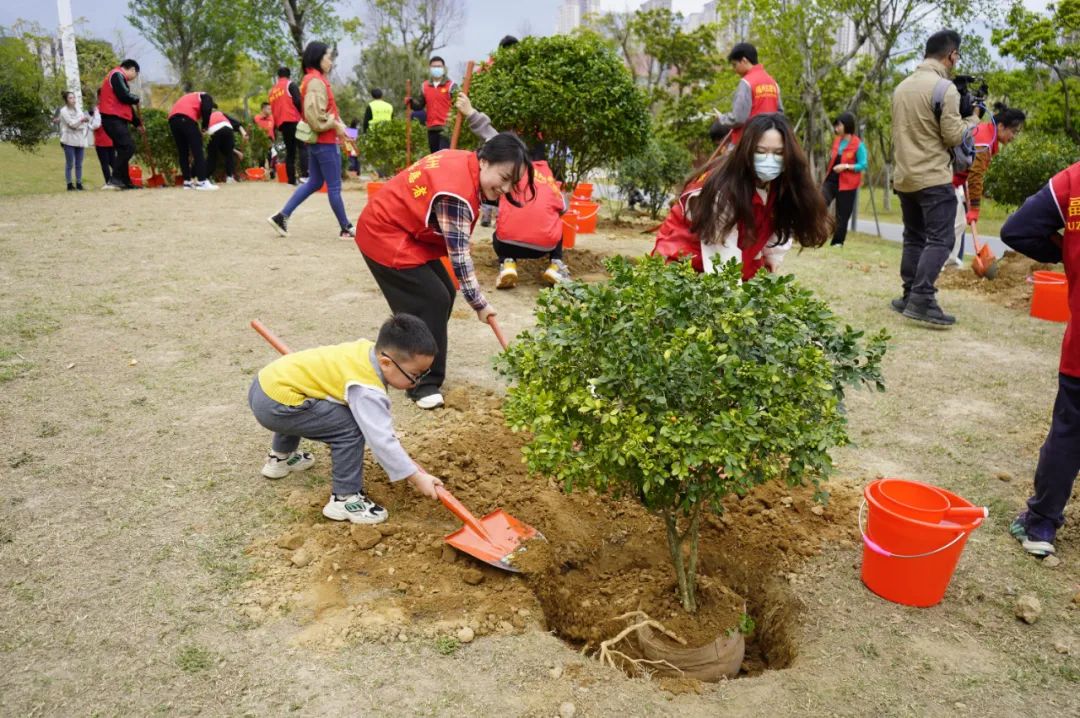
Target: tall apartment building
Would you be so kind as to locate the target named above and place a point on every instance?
(572, 13)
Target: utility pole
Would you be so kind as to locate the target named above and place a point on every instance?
(71, 59)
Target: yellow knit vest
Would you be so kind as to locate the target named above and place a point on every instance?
(320, 373)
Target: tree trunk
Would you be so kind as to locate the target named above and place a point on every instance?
(685, 569)
(1068, 114)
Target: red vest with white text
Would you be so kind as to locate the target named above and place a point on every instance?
(394, 230)
(109, 103)
(538, 224)
(764, 96)
(1065, 186)
(281, 102)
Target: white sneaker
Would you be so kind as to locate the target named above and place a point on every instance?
(205, 186)
(189, 184)
(431, 401)
(276, 468)
(507, 275)
(230, 180)
(356, 508)
(556, 273)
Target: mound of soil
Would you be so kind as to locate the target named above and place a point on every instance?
(583, 264)
(601, 558)
(1010, 288)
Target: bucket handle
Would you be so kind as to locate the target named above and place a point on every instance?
(590, 216)
(873, 546)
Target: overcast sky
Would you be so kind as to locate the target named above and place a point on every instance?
(486, 22)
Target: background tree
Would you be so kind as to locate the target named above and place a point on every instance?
(418, 26)
(96, 58)
(24, 115)
(571, 90)
(308, 20)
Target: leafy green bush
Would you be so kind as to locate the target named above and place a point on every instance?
(160, 141)
(256, 148)
(679, 389)
(662, 164)
(1026, 164)
(24, 117)
(571, 90)
(383, 147)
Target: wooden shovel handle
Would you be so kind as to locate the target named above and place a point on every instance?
(465, 89)
(270, 337)
(494, 324)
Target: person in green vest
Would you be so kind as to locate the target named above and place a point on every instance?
(378, 110)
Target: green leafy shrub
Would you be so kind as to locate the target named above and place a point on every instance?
(383, 147)
(160, 141)
(662, 164)
(679, 389)
(256, 148)
(24, 117)
(1026, 164)
(574, 92)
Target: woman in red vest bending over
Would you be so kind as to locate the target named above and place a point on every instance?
(427, 212)
(324, 157)
(847, 162)
(534, 229)
(748, 205)
(188, 120)
(1047, 229)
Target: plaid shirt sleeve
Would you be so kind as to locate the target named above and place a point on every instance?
(452, 218)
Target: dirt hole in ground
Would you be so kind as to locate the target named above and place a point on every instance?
(583, 264)
(400, 582)
(1010, 288)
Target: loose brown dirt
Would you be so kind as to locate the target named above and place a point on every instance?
(583, 264)
(1010, 288)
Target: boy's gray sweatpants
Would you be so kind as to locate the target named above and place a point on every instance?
(318, 420)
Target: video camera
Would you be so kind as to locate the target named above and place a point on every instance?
(972, 95)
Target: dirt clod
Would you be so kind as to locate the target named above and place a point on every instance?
(466, 634)
(567, 710)
(300, 558)
(1003, 476)
(1028, 609)
(365, 536)
(291, 541)
(473, 577)
(1062, 647)
(1051, 561)
(447, 553)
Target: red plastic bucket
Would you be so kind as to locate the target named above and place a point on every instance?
(282, 172)
(1050, 298)
(255, 173)
(906, 560)
(324, 189)
(912, 499)
(157, 180)
(178, 180)
(373, 187)
(569, 229)
(135, 173)
(583, 190)
(586, 215)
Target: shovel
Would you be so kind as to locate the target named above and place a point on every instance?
(985, 263)
(495, 539)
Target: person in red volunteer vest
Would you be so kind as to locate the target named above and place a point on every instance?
(1046, 228)
(189, 118)
(531, 231)
(757, 93)
(436, 94)
(847, 162)
(1005, 124)
(286, 107)
(748, 205)
(116, 104)
(265, 121)
(106, 152)
(427, 213)
(222, 133)
(324, 157)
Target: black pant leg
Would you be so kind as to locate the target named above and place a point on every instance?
(428, 293)
(118, 130)
(939, 216)
(1059, 463)
(914, 238)
(288, 134)
(434, 139)
(105, 157)
(226, 144)
(845, 205)
(180, 137)
(505, 250)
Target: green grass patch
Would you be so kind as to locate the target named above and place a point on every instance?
(28, 325)
(42, 171)
(194, 659)
(447, 645)
(13, 365)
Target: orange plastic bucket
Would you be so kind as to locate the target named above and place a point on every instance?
(178, 180)
(282, 172)
(569, 229)
(135, 173)
(157, 180)
(324, 189)
(906, 560)
(1050, 299)
(373, 187)
(586, 215)
(583, 190)
(450, 270)
(913, 499)
(255, 173)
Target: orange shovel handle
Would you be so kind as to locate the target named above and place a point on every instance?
(494, 324)
(458, 509)
(270, 337)
(465, 89)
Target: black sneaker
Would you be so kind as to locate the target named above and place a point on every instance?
(280, 223)
(929, 312)
(79, 187)
(113, 184)
(71, 187)
(899, 304)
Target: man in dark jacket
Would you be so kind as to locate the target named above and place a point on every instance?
(117, 107)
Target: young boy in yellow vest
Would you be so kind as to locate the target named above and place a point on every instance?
(338, 395)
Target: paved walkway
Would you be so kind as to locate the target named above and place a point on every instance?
(895, 233)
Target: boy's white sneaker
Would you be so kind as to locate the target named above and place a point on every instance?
(356, 508)
(276, 468)
(206, 186)
(431, 401)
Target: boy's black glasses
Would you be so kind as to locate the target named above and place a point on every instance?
(414, 378)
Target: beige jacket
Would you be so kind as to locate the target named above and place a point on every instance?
(317, 107)
(922, 145)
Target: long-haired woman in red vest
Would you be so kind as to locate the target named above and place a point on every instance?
(847, 162)
(324, 157)
(426, 213)
(1046, 228)
(748, 205)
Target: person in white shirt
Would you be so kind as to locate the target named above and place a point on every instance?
(74, 138)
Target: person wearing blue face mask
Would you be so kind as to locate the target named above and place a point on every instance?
(748, 205)
(436, 95)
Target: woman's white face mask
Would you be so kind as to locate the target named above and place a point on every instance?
(769, 156)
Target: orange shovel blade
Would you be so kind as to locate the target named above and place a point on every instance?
(505, 534)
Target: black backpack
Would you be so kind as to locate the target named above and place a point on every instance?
(963, 155)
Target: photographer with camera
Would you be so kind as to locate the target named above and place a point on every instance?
(988, 137)
(924, 137)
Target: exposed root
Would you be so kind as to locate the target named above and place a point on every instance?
(608, 653)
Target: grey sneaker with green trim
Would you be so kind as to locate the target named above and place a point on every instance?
(1042, 549)
(278, 468)
(357, 508)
